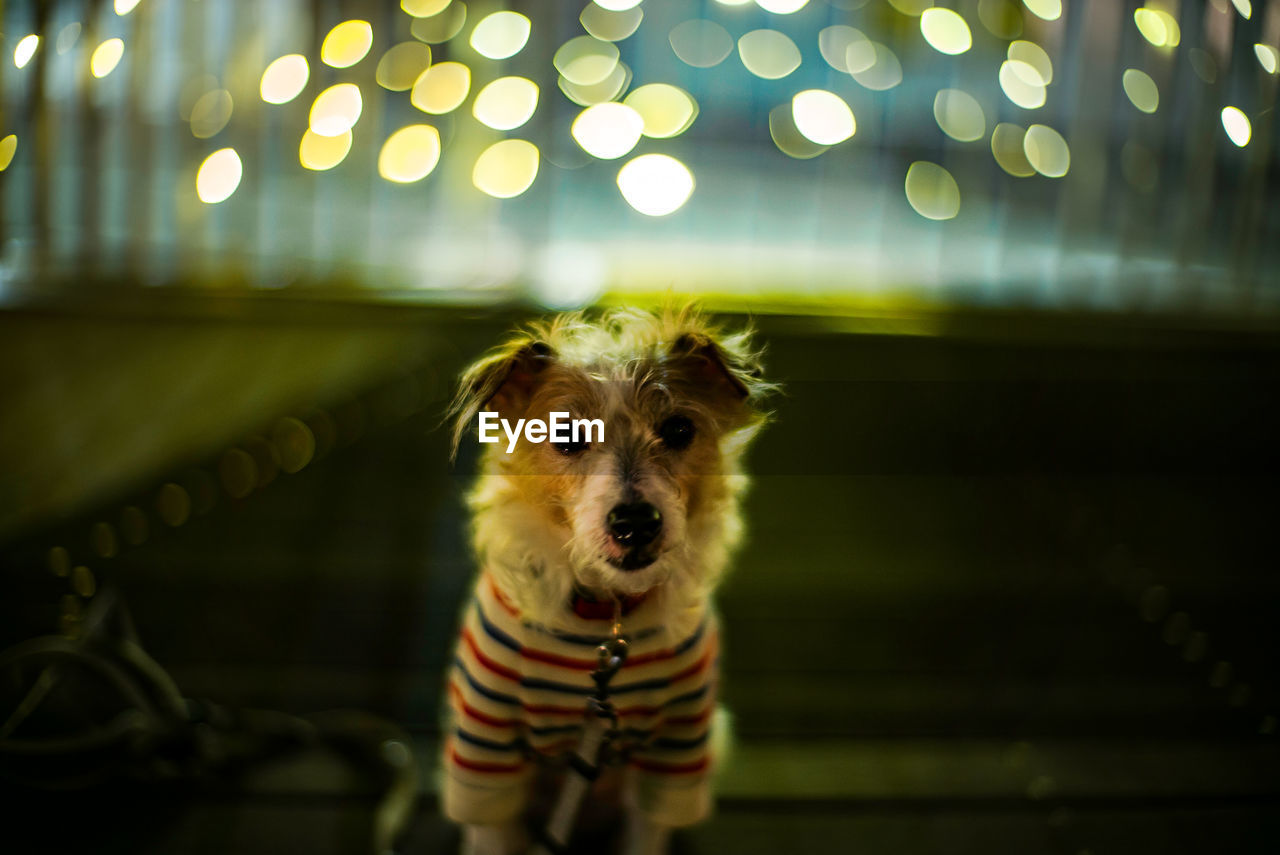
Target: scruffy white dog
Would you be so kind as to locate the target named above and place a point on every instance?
(575, 533)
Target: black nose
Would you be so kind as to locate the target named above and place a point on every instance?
(634, 525)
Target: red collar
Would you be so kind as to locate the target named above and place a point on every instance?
(588, 608)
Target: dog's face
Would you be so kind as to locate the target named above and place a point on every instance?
(654, 499)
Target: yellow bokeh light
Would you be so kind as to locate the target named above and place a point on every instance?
(655, 184)
(1157, 26)
(506, 103)
(336, 110)
(320, 153)
(1019, 82)
(1049, 10)
(1141, 89)
(124, 7)
(617, 5)
(423, 8)
(284, 79)
(701, 44)
(782, 7)
(608, 130)
(506, 169)
(914, 8)
(585, 60)
(106, 57)
(768, 54)
(211, 113)
(883, 72)
(1031, 54)
(500, 35)
(597, 93)
(1007, 148)
(610, 26)
(402, 65)
(1046, 151)
(1237, 126)
(409, 154)
(25, 50)
(787, 137)
(931, 191)
(667, 110)
(834, 43)
(945, 31)
(1002, 18)
(959, 115)
(1268, 57)
(8, 148)
(1244, 7)
(346, 44)
(219, 176)
(822, 117)
(441, 88)
(442, 26)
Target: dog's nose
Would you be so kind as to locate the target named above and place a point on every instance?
(634, 525)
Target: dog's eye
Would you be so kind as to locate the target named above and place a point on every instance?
(568, 449)
(676, 432)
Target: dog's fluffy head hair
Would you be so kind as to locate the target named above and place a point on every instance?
(680, 401)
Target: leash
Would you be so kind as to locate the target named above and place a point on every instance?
(598, 731)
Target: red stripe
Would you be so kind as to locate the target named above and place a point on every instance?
(691, 719)
(502, 600)
(671, 768)
(490, 664)
(472, 712)
(475, 766)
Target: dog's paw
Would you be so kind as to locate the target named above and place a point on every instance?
(506, 839)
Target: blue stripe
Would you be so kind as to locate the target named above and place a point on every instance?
(671, 744)
(513, 745)
(496, 634)
(510, 700)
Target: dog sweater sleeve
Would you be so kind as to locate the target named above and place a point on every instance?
(672, 771)
(485, 767)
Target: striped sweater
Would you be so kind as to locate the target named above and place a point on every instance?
(518, 693)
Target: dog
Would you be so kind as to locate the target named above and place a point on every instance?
(578, 533)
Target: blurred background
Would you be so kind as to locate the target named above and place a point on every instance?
(1011, 576)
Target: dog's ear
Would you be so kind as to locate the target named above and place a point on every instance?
(727, 366)
(503, 381)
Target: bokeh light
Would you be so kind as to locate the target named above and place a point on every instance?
(1244, 7)
(931, 191)
(409, 154)
(106, 57)
(336, 109)
(883, 72)
(320, 153)
(441, 88)
(423, 8)
(596, 93)
(1007, 148)
(959, 115)
(506, 169)
(610, 26)
(822, 117)
(655, 184)
(284, 79)
(1268, 58)
(834, 42)
(506, 103)
(346, 44)
(782, 7)
(210, 113)
(667, 110)
(1237, 125)
(25, 49)
(787, 137)
(124, 7)
(768, 54)
(501, 35)
(617, 5)
(608, 130)
(1157, 26)
(1001, 18)
(8, 148)
(442, 26)
(701, 44)
(402, 65)
(1046, 151)
(586, 60)
(1049, 10)
(1034, 56)
(218, 176)
(945, 31)
(1141, 90)
(1022, 84)
(67, 37)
